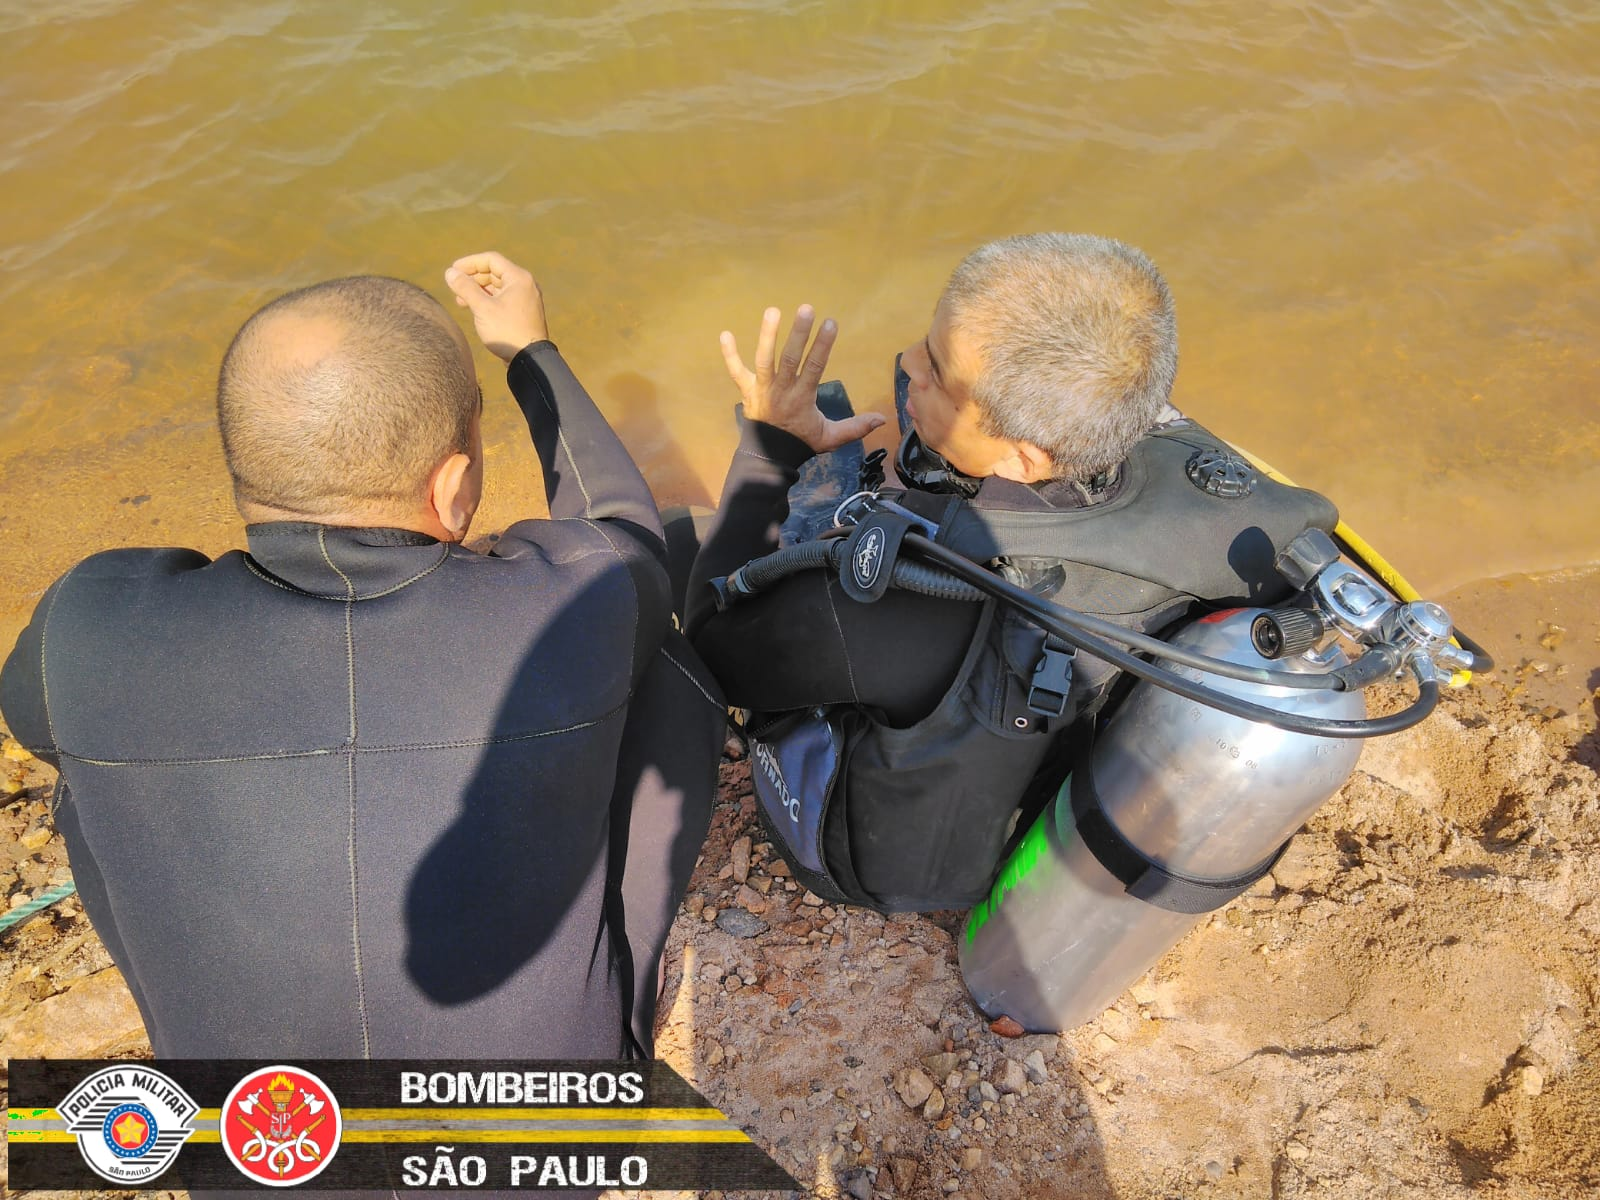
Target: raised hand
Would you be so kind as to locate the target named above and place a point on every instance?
(784, 392)
(506, 304)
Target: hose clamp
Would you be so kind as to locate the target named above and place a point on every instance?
(853, 507)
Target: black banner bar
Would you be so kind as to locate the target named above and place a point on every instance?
(411, 1125)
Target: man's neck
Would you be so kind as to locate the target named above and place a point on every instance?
(372, 518)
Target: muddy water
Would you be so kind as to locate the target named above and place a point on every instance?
(1377, 218)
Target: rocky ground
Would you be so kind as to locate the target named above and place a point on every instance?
(1407, 1007)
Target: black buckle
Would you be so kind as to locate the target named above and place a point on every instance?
(871, 476)
(1052, 678)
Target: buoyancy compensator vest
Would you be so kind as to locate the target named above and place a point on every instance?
(916, 818)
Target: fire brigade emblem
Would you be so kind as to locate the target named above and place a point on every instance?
(281, 1126)
(130, 1122)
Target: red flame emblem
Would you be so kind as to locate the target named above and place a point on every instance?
(281, 1126)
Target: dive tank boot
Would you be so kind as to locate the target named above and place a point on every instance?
(1178, 808)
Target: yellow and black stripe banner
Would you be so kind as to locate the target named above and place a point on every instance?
(478, 1126)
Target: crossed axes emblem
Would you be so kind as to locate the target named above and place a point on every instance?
(280, 1152)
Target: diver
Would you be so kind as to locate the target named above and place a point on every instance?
(361, 791)
(900, 738)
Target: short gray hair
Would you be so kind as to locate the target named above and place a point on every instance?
(1078, 342)
(362, 426)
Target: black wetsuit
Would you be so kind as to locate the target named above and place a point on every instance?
(357, 793)
(805, 642)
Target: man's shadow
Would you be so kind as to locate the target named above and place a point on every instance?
(635, 407)
(1586, 751)
(535, 905)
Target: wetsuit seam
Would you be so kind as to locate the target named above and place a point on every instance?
(422, 574)
(369, 535)
(760, 457)
(468, 743)
(633, 643)
(350, 782)
(397, 748)
(389, 591)
(561, 437)
(844, 643)
(278, 583)
(200, 762)
(710, 699)
(44, 640)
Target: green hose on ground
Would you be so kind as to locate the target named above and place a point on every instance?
(38, 904)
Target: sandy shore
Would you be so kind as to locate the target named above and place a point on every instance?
(1405, 1008)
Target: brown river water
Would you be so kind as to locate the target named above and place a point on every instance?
(1378, 219)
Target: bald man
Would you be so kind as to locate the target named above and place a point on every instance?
(359, 791)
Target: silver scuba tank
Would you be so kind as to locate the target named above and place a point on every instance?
(1207, 799)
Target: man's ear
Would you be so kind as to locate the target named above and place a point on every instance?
(1026, 463)
(448, 495)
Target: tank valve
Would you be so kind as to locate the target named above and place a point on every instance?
(1419, 628)
(1303, 559)
(1286, 632)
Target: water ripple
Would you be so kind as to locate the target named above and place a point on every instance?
(1358, 200)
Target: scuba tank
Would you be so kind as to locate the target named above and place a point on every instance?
(1216, 757)
(1180, 807)
(1203, 794)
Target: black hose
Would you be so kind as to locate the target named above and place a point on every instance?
(1427, 695)
(1080, 630)
(959, 580)
(1481, 660)
(761, 573)
(933, 581)
(1043, 610)
(1316, 681)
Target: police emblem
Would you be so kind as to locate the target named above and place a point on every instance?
(281, 1126)
(130, 1122)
